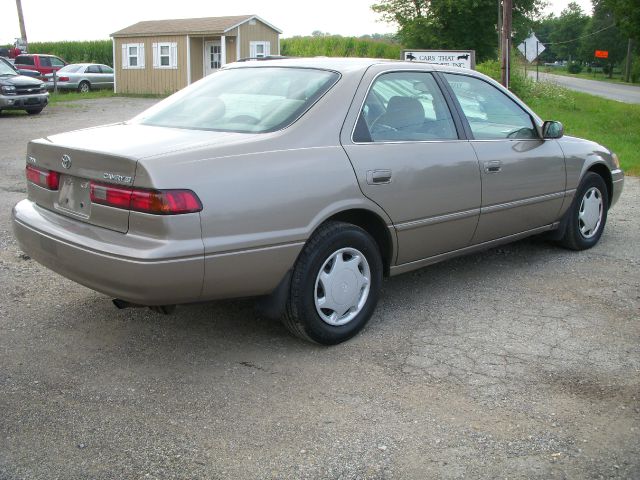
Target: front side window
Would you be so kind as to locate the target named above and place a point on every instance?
(405, 106)
(248, 100)
(491, 114)
(45, 61)
(56, 62)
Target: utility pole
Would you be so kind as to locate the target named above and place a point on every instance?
(507, 8)
(627, 71)
(23, 30)
(499, 28)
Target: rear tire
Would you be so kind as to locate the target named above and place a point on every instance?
(34, 111)
(84, 87)
(587, 214)
(335, 284)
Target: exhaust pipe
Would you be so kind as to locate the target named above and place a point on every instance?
(164, 309)
(122, 304)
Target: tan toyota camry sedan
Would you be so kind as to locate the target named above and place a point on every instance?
(305, 181)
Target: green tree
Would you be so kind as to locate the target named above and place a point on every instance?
(627, 16)
(566, 33)
(455, 24)
(601, 33)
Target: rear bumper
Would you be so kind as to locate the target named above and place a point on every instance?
(116, 264)
(22, 102)
(617, 180)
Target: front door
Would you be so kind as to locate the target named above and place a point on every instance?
(409, 159)
(212, 56)
(523, 175)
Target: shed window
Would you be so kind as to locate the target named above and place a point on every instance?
(165, 55)
(133, 55)
(260, 49)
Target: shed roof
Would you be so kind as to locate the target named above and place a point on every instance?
(188, 26)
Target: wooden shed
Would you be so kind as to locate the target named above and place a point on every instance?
(163, 56)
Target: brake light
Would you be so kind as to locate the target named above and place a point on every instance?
(43, 178)
(157, 202)
(63, 79)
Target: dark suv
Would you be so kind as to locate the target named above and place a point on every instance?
(18, 92)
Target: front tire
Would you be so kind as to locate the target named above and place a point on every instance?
(335, 284)
(587, 215)
(34, 111)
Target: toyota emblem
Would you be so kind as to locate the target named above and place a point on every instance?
(66, 161)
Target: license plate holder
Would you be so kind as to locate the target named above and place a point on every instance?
(75, 196)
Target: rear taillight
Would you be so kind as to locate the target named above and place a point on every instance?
(63, 79)
(43, 178)
(158, 202)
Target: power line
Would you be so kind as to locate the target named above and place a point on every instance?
(580, 38)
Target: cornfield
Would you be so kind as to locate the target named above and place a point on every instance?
(97, 51)
(334, 46)
(101, 51)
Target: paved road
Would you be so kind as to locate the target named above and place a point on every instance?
(614, 91)
(520, 362)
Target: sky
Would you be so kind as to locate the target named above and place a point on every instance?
(53, 20)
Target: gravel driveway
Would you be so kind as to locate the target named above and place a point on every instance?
(520, 362)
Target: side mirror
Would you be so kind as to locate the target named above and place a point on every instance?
(552, 129)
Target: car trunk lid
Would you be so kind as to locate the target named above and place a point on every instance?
(105, 155)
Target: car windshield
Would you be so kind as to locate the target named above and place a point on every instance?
(6, 69)
(248, 100)
(70, 68)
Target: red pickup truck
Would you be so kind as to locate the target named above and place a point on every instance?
(41, 63)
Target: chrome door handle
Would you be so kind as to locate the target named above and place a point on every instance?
(377, 177)
(493, 166)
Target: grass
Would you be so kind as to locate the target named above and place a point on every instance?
(613, 124)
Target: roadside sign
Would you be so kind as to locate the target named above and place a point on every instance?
(602, 54)
(531, 48)
(451, 58)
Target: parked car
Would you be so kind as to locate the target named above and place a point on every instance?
(19, 71)
(307, 181)
(18, 92)
(82, 77)
(43, 64)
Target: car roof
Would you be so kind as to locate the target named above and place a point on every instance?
(344, 65)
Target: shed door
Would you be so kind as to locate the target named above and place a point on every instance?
(212, 56)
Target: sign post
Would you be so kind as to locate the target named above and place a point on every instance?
(531, 48)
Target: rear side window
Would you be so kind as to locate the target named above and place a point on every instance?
(405, 106)
(24, 60)
(490, 113)
(92, 69)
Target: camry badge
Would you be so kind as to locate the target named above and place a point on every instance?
(66, 161)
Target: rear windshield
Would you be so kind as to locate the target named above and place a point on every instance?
(70, 69)
(251, 100)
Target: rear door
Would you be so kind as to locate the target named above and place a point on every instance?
(523, 175)
(94, 75)
(411, 158)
